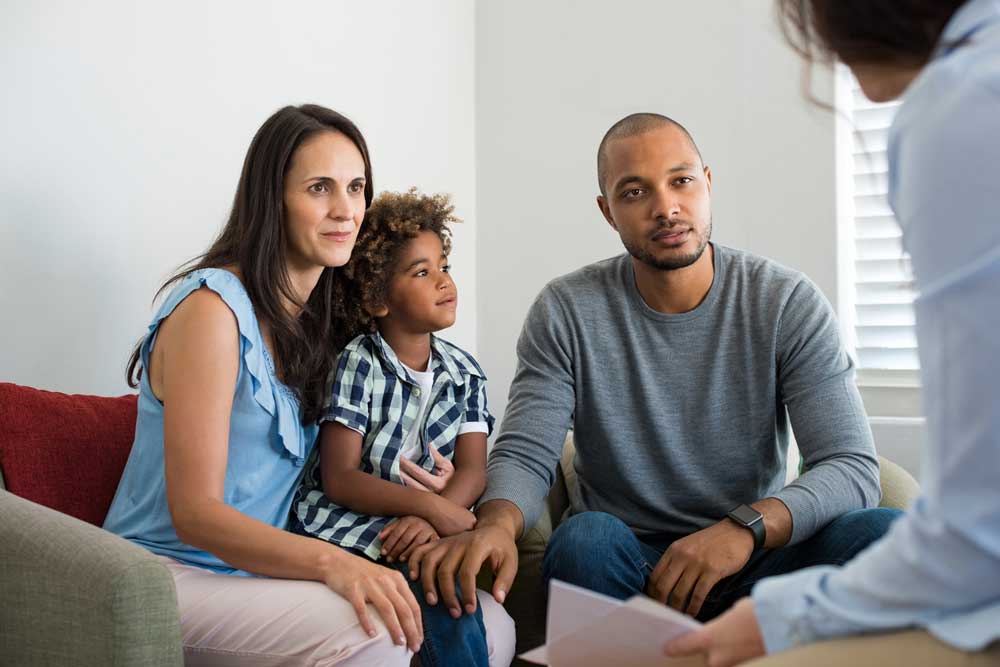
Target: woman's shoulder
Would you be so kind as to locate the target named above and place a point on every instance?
(215, 296)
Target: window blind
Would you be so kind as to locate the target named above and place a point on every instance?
(885, 335)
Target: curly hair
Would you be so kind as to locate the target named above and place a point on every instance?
(392, 221)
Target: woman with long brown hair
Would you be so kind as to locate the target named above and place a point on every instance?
(928, 593)
(232, 375)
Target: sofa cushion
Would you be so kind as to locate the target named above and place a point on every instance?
(65, 451)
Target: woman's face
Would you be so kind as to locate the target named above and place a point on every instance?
(324, 201)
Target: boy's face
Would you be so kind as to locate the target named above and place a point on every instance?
(422, 297)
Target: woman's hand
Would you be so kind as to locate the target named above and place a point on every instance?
(730, 639)
(405, 534)
(417, 478)
(360, 581)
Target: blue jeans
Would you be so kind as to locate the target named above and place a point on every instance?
(599, 552)
(448, 641)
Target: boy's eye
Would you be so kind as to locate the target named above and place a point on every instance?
(446, 268)
(421, 273)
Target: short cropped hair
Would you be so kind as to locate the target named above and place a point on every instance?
(630, 126)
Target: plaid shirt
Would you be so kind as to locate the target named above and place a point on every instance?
(375, 395)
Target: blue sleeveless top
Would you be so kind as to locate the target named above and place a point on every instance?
(267, 443)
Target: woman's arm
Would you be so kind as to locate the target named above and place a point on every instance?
(193, 371)
(469, 479)
(347, 485)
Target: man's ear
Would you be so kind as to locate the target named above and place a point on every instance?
(602, 203)
(708, 178)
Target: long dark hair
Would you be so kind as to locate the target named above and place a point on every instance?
(254, 239)
(893, 32)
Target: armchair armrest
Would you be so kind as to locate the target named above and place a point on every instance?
(71, 593)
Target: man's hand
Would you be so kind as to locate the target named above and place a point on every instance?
(731, 639)
(405, 534)
(437, 564)
(694, 564)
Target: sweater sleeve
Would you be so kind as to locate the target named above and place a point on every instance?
(523, 461)
(816, 384)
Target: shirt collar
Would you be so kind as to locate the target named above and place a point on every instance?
(440, 359)
(969, 19)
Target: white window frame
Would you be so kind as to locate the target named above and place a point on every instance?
(892, 397)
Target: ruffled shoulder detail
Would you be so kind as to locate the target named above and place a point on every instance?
(275, 398)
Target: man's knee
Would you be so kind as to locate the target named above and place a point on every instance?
(849, 534)
(584, 543)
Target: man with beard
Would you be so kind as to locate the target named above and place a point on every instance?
(681, 366)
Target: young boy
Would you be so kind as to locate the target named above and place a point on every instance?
(401, 393)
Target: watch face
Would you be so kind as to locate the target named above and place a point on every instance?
(745, 514)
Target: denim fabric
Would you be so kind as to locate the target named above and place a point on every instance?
(448, 641)
(599, 552)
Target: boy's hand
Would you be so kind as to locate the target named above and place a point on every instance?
(405, 534)
(417, 478)
(449, 518)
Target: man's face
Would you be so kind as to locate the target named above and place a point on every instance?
(658, 198)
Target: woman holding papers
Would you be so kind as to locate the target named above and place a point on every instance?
(929, 592)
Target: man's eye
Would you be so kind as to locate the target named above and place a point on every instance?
(684, 180)
(633, 193)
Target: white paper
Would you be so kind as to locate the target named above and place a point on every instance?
(588, 629)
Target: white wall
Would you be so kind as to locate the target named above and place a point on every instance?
(553, 76)
(124, 126)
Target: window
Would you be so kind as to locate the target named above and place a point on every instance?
(876, 288)
(877, 302)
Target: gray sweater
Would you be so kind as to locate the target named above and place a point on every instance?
(679, 418)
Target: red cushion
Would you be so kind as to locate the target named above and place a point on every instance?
(65, 451)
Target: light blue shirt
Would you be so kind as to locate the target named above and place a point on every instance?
(938, 568)
(268, 445)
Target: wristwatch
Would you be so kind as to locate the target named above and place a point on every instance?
(752, 520)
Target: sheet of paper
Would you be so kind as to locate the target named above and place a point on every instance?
(586, 629)
(570, 607)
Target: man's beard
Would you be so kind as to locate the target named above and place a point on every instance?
(673, 263)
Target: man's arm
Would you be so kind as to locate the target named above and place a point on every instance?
(521, 466)
(816, 383)
(523, 461)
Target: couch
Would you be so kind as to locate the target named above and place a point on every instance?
(70, 592)
(73, 593)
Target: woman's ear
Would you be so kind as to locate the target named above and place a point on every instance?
(380, 310)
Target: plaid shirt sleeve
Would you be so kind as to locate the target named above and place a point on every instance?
(475, 404)
(352, 390)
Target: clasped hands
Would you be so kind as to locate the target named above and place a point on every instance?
(402, 535)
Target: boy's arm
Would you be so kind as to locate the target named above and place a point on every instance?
(347, 485)
(469, 479)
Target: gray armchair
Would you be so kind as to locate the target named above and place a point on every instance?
(73, 594)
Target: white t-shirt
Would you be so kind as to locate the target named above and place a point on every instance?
(411, 448)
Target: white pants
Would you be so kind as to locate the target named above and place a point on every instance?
(257, 622)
